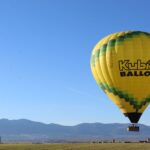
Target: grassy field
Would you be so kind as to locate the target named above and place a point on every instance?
(115, 146)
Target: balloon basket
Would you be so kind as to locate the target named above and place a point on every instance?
(133, 128)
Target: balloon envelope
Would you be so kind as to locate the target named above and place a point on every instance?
(120, 64)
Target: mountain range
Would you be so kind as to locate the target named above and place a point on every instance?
(27, 130)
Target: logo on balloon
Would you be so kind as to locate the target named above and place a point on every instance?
(138, 68)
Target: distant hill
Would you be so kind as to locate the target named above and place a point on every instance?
(26, 130)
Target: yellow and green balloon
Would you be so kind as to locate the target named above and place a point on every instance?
(120, 64)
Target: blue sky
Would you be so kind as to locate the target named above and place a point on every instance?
(45, 48)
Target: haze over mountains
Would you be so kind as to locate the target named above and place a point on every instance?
(26, 130)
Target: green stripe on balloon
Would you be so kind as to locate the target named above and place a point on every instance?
(127, 97)
(119, 40)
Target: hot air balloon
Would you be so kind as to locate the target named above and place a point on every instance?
(120, 64)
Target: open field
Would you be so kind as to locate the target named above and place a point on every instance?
(115, 146)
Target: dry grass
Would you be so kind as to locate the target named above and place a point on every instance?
(115, 146)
